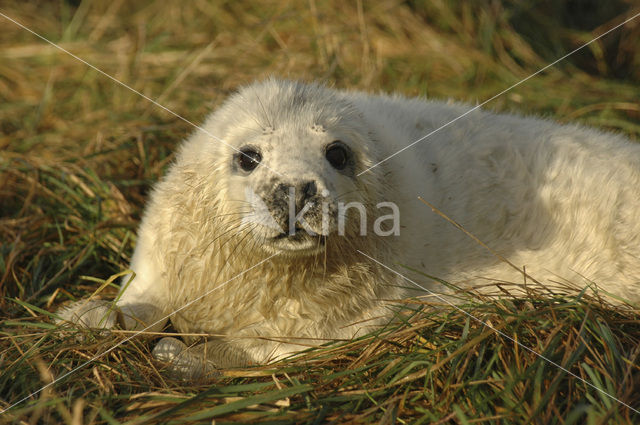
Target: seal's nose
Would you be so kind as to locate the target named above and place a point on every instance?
(301, 192)
(297, 195)
(291, 205)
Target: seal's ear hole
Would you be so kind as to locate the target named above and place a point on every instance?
(248, 158)
(337, 154)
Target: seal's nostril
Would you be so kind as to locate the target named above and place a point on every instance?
(281, 191)
(309, 189)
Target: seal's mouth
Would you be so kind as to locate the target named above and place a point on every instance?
(298, 235)
(299, 241)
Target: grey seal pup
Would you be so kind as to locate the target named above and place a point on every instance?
(256, 235)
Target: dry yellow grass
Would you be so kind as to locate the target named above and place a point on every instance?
(78, 153)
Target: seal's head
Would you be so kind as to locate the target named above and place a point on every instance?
(290, 157)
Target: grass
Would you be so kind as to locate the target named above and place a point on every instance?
(78, 154)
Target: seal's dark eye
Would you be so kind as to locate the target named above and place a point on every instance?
(337, 155)
(248, 159)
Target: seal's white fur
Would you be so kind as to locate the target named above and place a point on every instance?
(561, 200)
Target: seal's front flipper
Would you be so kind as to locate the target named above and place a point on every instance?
(98, 314)
(185, 363)
(200, 361)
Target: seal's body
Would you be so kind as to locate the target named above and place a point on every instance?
(258, 239)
